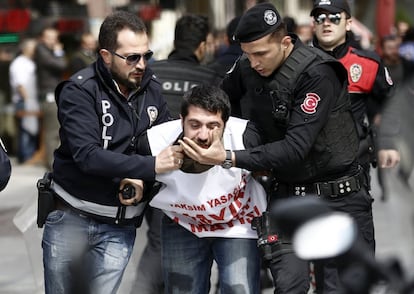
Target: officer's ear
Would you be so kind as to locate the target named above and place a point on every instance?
(106, 56)
(348, 24)
(286, 41)
(201, 50)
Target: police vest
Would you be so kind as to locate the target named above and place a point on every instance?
(177, 77)
(329, 153)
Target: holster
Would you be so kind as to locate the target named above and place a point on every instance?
(270, 243)
(367, 151)
(45, 199)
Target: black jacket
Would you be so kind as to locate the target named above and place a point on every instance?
(178, 74)
(5, 167)
(223, 63)
(98, 134)
(314, 100)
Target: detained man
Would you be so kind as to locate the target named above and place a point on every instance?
(208, 209)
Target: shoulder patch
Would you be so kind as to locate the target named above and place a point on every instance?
(310, 103)
(367, 54)
(355, 72)
(152, 113)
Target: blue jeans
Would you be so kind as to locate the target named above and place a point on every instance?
(27, 143)
(81, 255)
(187, 261)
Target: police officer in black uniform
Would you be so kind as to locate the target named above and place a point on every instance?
(298, 96)
(89, 227)
(5, 166)
(177, 74)
(182, 70)
(226, 59)
(370, 86)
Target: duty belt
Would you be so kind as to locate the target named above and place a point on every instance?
(329, 189)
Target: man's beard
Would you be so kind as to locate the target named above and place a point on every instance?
(189, 165)
(193, 167)
(130, 84)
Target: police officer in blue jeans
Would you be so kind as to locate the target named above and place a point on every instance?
(89, 235)
(298, 97)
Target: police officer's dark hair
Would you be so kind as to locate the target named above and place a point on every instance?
(231, 29)
(116, 22)
(280, 32)
(190, 31)
(291, 25)
(210, 98)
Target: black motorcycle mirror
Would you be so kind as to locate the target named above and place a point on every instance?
(290, 213)
(318, 233)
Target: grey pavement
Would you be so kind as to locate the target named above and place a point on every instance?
(21, 269)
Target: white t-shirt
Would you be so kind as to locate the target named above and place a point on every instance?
(23, 73)
(216, 203)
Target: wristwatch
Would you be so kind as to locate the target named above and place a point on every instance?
(228, 162)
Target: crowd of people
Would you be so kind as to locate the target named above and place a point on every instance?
(208, 147)
(41, 63)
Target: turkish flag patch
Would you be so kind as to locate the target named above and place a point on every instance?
(310, 103)
(272, 238)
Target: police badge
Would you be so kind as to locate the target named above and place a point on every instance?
(152, 112)
(270, 17)
(355, 71)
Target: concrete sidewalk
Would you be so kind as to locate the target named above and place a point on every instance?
(18, 271)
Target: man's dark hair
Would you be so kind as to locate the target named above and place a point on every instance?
(116, 22)
(390, 37)
(231, 28)
(409, 35)
(190, 31)
(210, 98)
(47, 27)
(290, 24)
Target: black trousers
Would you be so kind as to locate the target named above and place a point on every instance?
(359, 206)
(290, 274)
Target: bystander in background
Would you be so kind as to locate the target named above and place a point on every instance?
(23, 84)
(407, 45)
(399, 67)
(51, 64)
(395, 131)
(85, 55)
